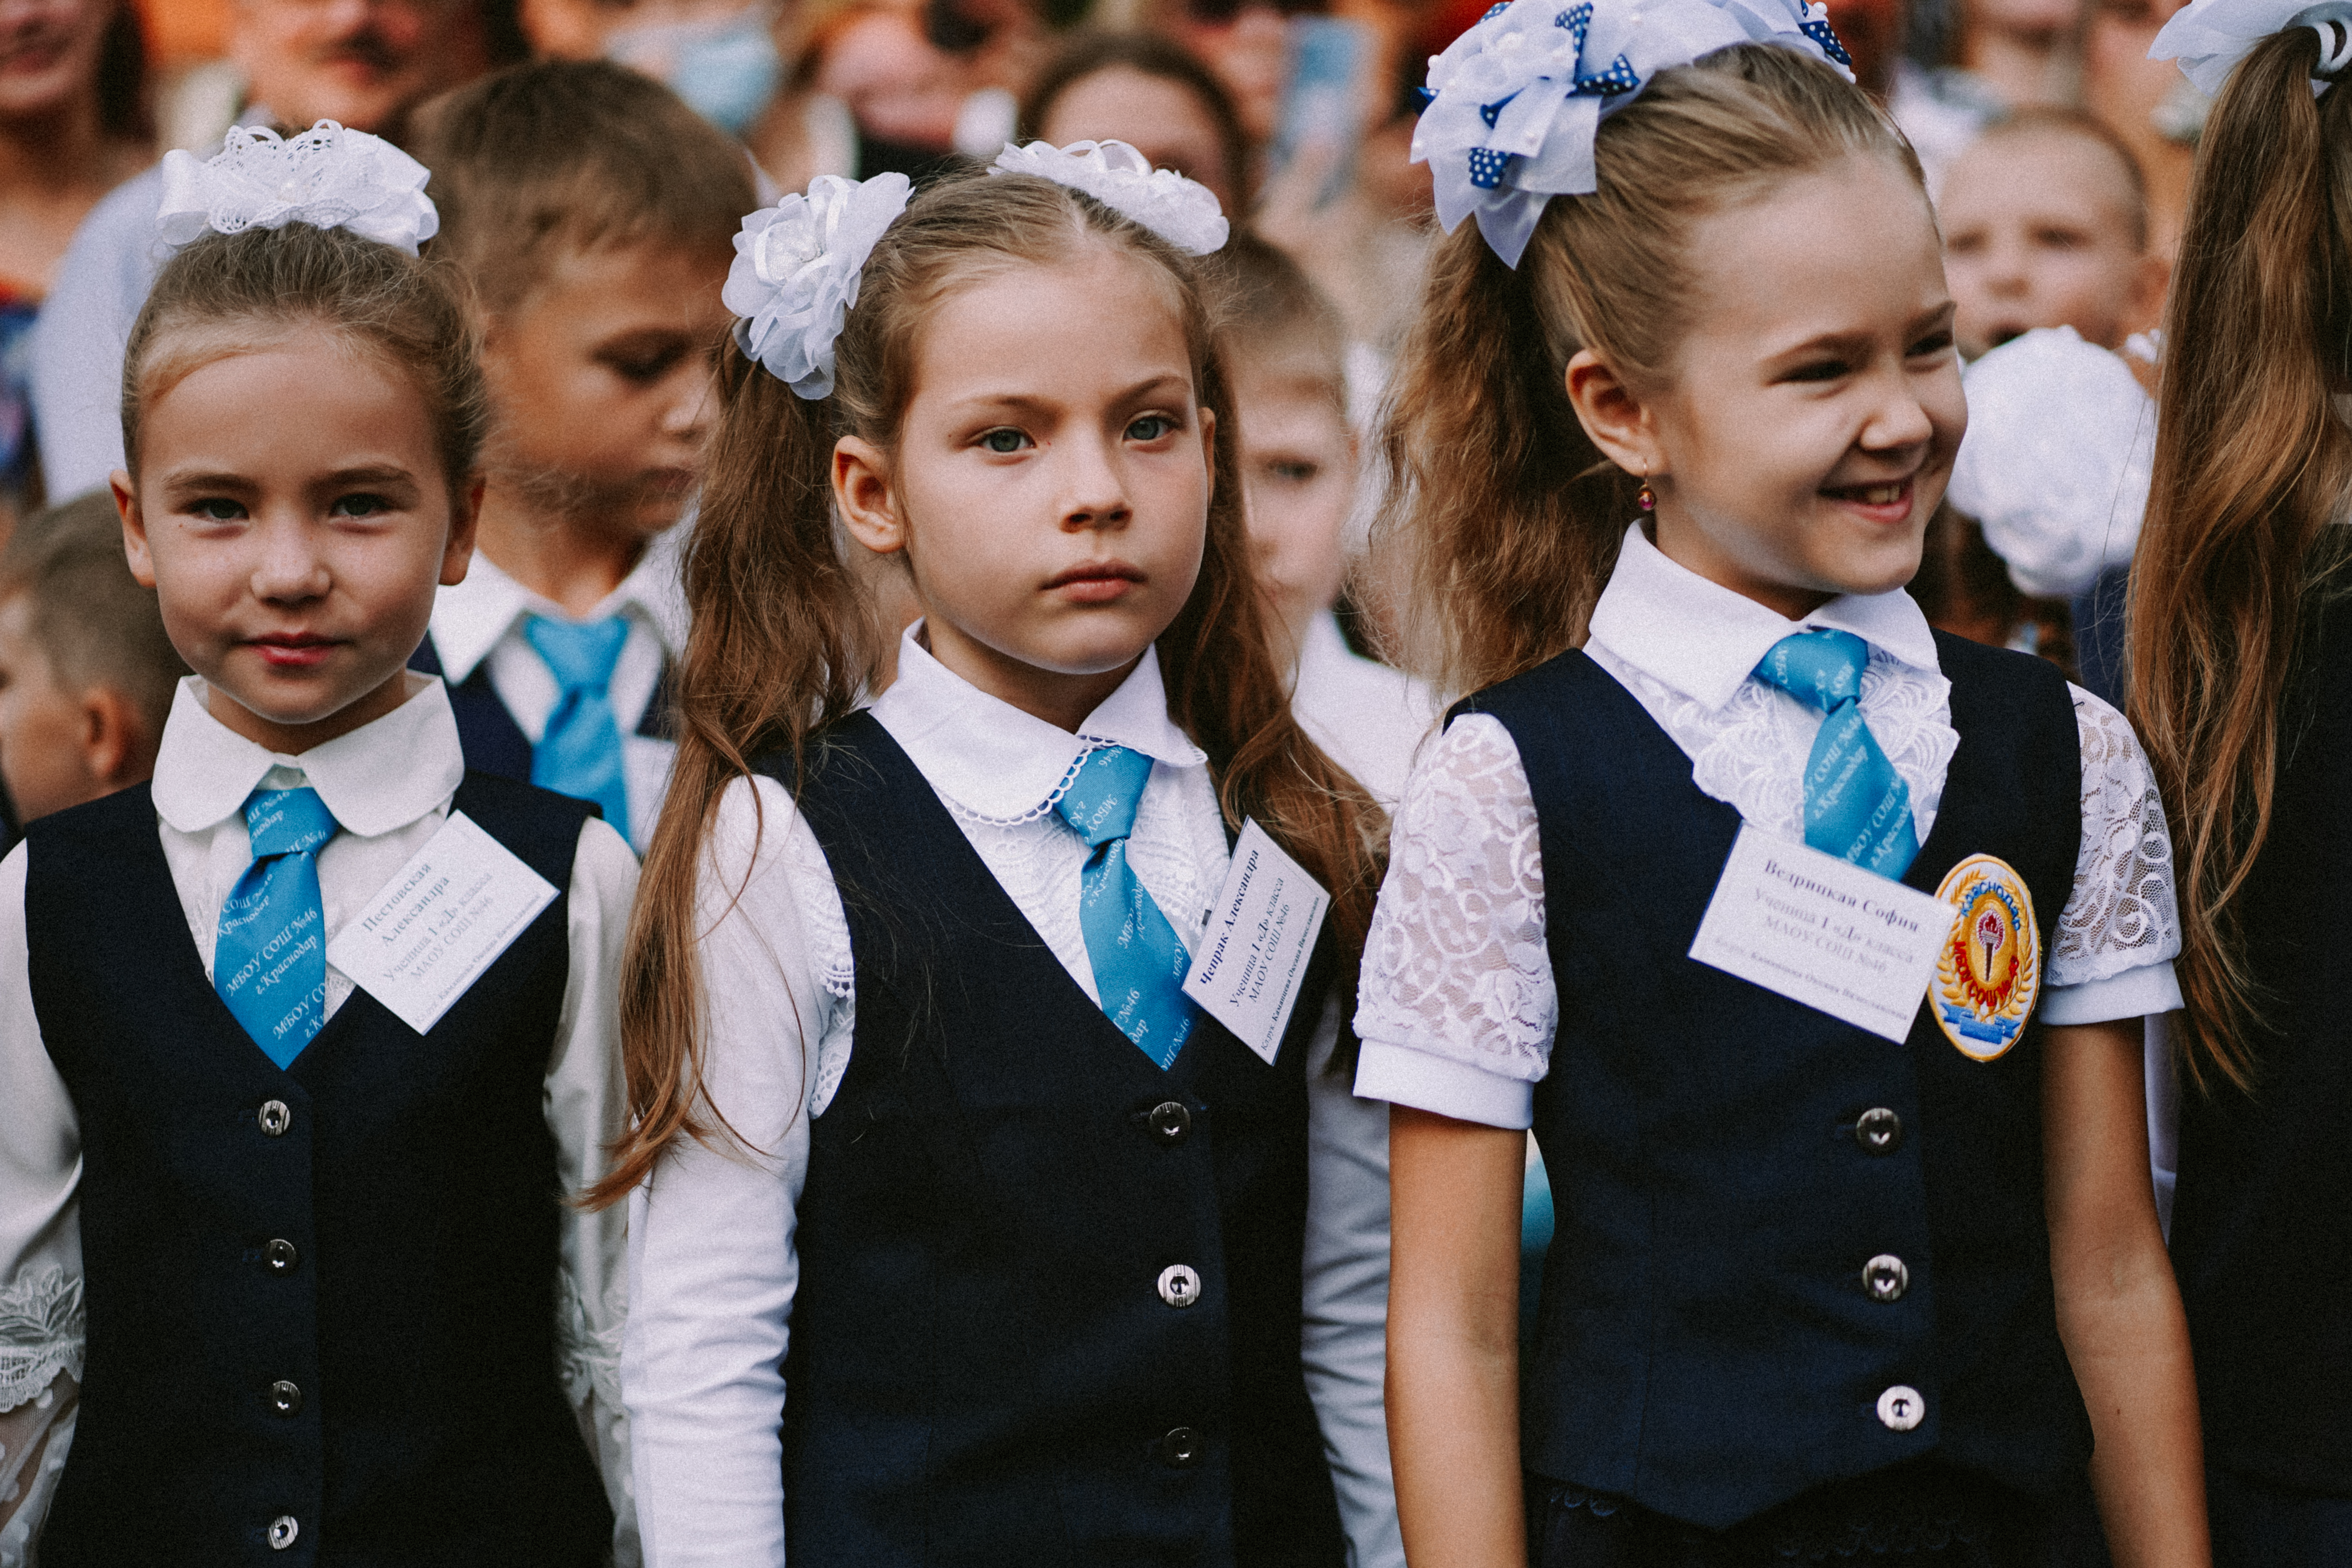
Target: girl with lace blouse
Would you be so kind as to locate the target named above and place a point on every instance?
(1829, 1273)
(2242, 673)
(958, 1232)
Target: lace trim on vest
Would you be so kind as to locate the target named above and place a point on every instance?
(41, 1334)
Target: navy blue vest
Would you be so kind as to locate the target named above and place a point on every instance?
(983, 1369)
(494, 743)
(324, 1293)
(1706, 1347)
(2262, 1220)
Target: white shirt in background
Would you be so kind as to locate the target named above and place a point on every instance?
(389, 783)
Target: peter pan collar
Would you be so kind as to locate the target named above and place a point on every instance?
(470, 618)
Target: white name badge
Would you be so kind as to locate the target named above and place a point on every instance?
(1823, 931)
(441, 920)
(1253, 957)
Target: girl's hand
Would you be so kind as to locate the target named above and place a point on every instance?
(2119, 1309)
(1455, 1189)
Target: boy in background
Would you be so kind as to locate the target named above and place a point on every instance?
(594, 215)
(86, 672)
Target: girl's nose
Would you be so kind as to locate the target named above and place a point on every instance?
(1094, 493)
(289, 568)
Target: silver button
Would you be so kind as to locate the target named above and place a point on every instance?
(283, 1530)
(1886, 1277)
(276, 1118)
(1180, 1449)
(1179, 1286)
(1878, 1130)
(1171, 1121)
(1902, 1408)
(286, 1398)
(282, 1256)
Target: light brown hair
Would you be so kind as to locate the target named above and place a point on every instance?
(91, 619)
(567, 156)
(782, 644)
(1280, 321)
(2050, 121)
(2251, 463)
(226, 294)
(1502, 518)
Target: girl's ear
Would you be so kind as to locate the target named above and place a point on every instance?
(861, 488)
(465, 522)
(135, 530)
(1617, 420)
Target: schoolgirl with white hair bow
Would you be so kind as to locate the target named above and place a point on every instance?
(1813, 944)
(2241, 680)
(963, 1230)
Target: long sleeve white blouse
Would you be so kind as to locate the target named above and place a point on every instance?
(713, 1269)
(390, 785)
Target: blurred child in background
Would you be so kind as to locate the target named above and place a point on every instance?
(1151, 93)
(593, 211)
(86, 672)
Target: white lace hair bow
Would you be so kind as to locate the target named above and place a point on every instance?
(796, 273)
(2056, 463)
(1515, 103)
(327, 177)
(1177, 210)
(2208, 37)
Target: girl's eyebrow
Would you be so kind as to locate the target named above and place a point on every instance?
(1027, 401)
(367, 474)
(1937, 315)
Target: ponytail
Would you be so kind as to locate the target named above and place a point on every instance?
(2251, 463)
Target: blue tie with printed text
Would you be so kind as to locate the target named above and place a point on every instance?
(269, 960)
(1857, 807)
(580, 754)
(1138, 961)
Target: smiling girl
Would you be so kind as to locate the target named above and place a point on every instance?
(1826, 1276)
(958, 1234)
(285, 1266)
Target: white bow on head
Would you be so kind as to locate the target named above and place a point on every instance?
(2208, 37)
(1515, 103)
(796, 269)
(327, 177)
(1179, 211)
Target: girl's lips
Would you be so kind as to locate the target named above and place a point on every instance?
(1100, 583)
(1889, 502)
(293, 653)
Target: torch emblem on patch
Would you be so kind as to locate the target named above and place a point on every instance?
(1990, 970)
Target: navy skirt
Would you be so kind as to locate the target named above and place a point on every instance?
(1926, 1513)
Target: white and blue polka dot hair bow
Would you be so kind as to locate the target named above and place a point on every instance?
(1515, 103)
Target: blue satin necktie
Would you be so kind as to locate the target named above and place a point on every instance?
(1857, 807)
(270, 958)
(580, 754)
(1138, 962)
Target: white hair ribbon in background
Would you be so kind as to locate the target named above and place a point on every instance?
(327, 177)
(796, 273)
(1177, 210)
(1515, 103)
(2208, 37)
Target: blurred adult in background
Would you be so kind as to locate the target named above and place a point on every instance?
(2148, 103)
(1151, 94)
(73, 125)
(363, 63)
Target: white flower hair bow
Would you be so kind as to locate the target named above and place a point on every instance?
(1177, 210)
(1515, 103)
(796, 273)
(327, 177)
(2208, 37)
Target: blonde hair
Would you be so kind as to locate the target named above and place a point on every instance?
(1502, 519)
(783, 644)
(2251, 463)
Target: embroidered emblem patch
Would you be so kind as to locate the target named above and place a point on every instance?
(1990, 970)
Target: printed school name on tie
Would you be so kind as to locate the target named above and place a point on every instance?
(270, 958)
(1138, 961)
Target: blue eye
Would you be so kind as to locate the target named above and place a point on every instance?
(1151, 427)
(1004, 441)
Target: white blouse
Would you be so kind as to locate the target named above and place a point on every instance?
(389, 785)
(713, 1269)
(1458, 1006)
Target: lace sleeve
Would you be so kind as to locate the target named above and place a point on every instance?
(40, 1381)
(2120, 916)
(1455, 965)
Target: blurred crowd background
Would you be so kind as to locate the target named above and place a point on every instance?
(2058, 155)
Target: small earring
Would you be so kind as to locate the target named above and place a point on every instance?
(1648, 498)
